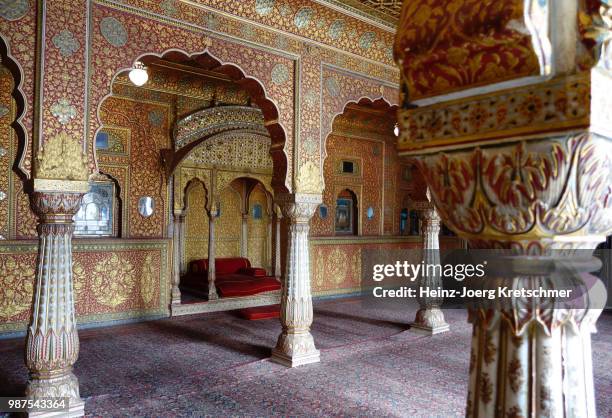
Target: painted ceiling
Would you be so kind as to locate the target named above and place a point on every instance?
(383, 11)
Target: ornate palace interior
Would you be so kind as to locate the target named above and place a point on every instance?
(190, 191)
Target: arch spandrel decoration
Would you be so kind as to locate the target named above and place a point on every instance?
(232, 154)
(201, 131)
(182, 178)
(224, 178)
(241, 150)
(211, 121)
(340, 89)
(250, 67)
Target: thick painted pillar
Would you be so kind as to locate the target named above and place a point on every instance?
(518, 159)
(52, 342)
(295, 345)
(177, 228)
(430, 318)
(212, 289)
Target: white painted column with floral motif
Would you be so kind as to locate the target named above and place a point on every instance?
(244, 242)
(177, 228)
(295, 345)
(536, 185)
(212, 289)
(269, 245)
(52, 341)
(277, 243)
(429, 318)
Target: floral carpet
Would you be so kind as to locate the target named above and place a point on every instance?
(216, 365)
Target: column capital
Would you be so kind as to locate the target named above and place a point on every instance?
(56, 207)
(431, 222)
(298, 208)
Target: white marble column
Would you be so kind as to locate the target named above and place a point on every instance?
(182, 263)
(244, 243)
(295, 345)
(536, 361)
(277, 246)
(269, 246)
(52, 342)
(212, 290)
(176, 254)
(430, 318)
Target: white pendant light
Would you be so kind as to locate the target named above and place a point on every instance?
(138, 75)
(396, 130)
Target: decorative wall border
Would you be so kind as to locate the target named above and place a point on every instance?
(106, 245)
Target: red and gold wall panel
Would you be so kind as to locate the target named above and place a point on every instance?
(117, 43)
(18, 32)
(309, 19)
(142, 128)
(113, 280)
(447, 46)
(335, 263)
(367, 185)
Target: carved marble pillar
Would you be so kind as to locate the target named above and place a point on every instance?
(177, 228)
(277, 245)
(526, 169)
(52, 342)
(212, 290)
(269, 246)
(182, 263)
(295, 345)
(430, 318)
(244, 242)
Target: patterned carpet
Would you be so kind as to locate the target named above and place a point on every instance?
(215, 365)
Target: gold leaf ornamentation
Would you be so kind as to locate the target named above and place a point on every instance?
(309, 179)
(113, 280)
(62, 158)
(147, 280)
(16, 286)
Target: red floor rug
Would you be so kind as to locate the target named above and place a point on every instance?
(260, 312)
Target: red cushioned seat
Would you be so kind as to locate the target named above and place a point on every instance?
(234, 277)
(253, 272)
(247, 288)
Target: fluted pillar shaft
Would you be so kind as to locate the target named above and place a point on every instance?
(528, 362)
(177, 228)
(212, 289)
(52, 342)
(295, 345)
(181, 246)
(244, 243)
(430, 318)
(277, 246)
(269, 246)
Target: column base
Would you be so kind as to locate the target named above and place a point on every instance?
(294, 350)
(429, 321)
(176, 296)
(427, 330)
(66, 386)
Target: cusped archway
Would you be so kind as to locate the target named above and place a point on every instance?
(261, 107)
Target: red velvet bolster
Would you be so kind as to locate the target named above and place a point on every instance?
(230, 265)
